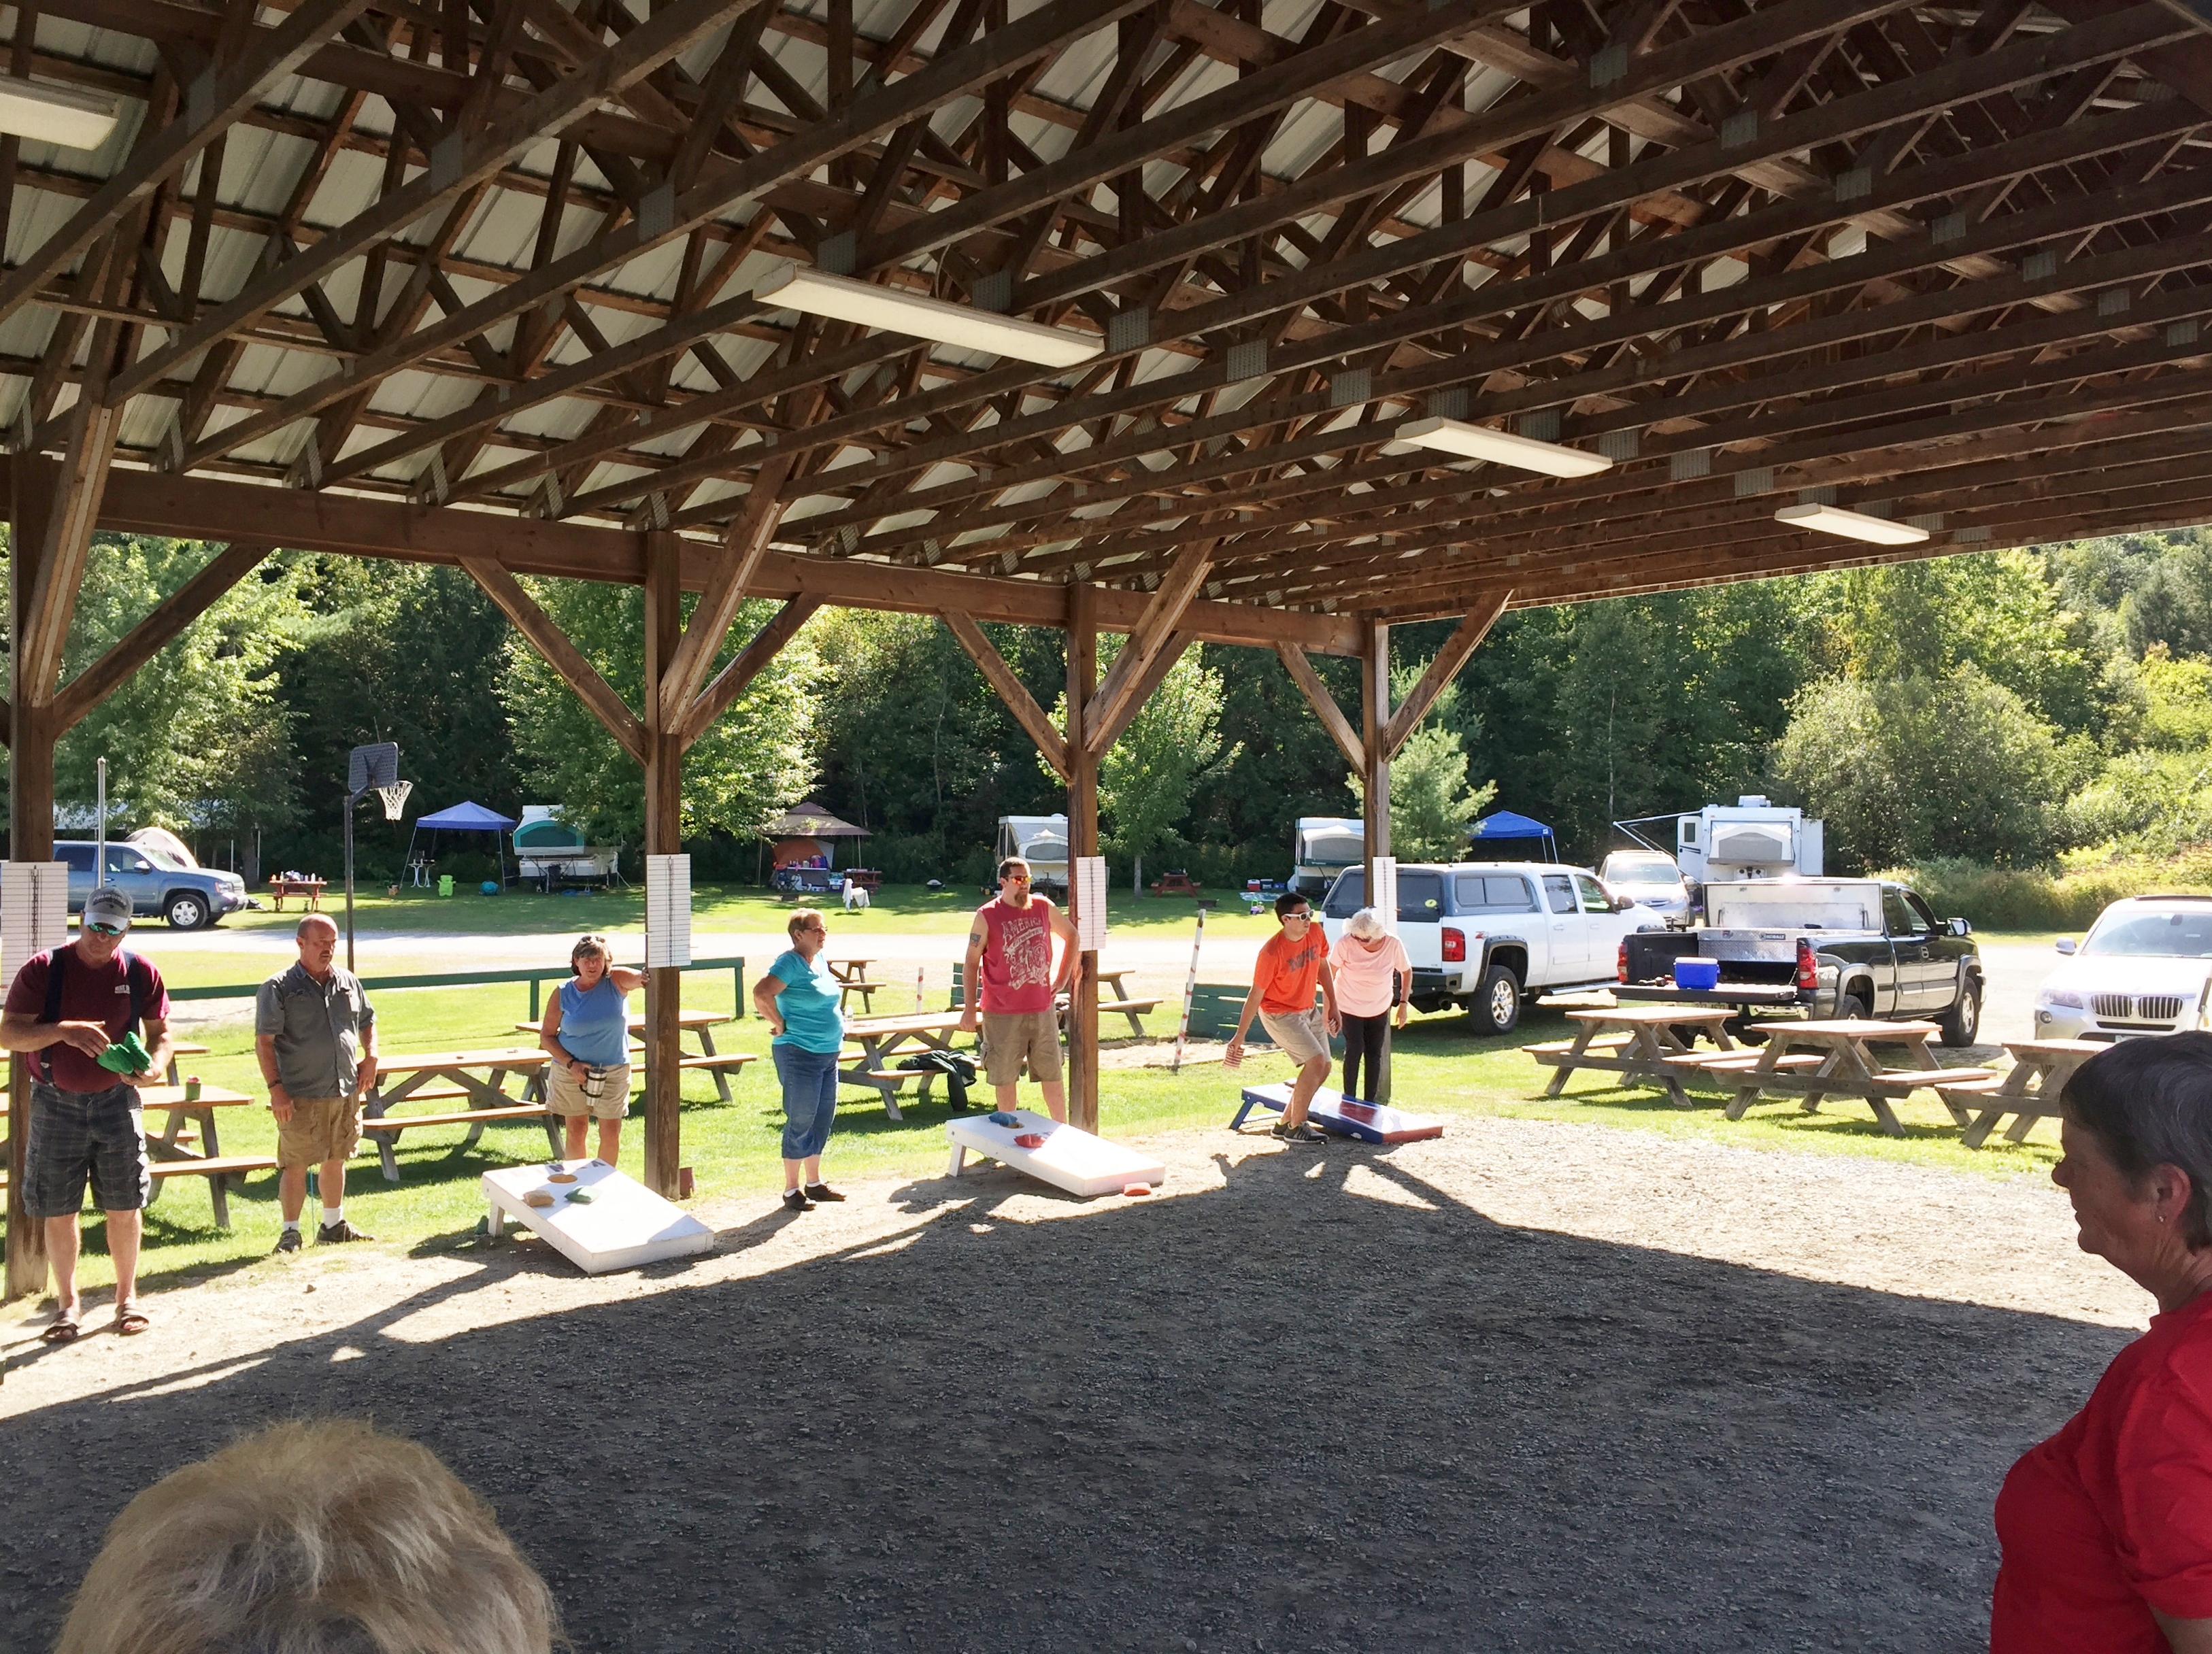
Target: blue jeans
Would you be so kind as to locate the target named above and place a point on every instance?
(810, 1098)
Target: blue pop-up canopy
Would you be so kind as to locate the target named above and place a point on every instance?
(1507, 825)
(465, 816)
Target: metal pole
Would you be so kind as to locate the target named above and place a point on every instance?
(1189, 992)
(100, 832)
(351, 799)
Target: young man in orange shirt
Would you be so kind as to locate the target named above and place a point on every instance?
(1290, 962)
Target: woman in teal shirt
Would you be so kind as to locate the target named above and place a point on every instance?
(801, 1001)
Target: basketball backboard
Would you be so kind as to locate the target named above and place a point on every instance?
(374, 765)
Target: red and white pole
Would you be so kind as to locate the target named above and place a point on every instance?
(1189, 992)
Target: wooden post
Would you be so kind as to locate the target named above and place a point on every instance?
(30, 837)
(1082, 840)
(664, 830)
(1373, 722)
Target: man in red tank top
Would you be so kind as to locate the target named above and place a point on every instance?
(1009, 970)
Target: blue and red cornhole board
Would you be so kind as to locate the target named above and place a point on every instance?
(1371, 1123)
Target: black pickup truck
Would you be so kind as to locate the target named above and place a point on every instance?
(1822, 947)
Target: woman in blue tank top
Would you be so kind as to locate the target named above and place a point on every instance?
(587, 1033)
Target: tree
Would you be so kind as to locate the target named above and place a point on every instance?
(1431, 804)
(196, 740)
(755, 759)
(1921, 766)
(1146, 777)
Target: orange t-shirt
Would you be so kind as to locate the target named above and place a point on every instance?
(1287, 971)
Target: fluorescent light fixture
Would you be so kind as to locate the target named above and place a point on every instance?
(1852, 525)
(845, 300)
(1503, 448)
(56, 114)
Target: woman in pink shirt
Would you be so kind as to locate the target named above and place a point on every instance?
(1364, 959)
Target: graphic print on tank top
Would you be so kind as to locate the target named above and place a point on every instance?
(1028, 942)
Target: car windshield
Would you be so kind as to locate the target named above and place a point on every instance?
(2185, 936)
(160, 857)
(1644, 870)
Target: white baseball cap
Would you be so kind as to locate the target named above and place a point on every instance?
(108, 906)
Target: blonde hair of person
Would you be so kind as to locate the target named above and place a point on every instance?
(310, 1537)
(590, 944)
(801, 918)
(1366, 925)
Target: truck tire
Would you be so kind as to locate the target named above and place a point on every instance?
(188, 910)
(1962, 1023)
(1496, 1006)
(1853, 1007)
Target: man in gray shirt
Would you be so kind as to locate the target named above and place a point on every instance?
(316, 1037)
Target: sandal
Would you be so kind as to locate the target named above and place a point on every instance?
(132, 1320)
(62, 1329)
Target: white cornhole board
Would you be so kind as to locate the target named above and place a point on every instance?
(1068, 1159)
(623, 1225)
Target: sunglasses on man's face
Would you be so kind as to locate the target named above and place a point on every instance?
(1299, 918)
(99, 929)
(1017, 878)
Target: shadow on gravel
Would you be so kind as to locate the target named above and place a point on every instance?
(1328, 1406)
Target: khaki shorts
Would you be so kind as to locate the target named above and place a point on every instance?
(321, 1128)
(1010, 1035)
(605, 1096)
(1300, 1035)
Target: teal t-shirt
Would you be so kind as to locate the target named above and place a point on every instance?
(808, 1004)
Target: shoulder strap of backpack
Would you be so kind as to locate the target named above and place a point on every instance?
(52, 1012)
(139, 974)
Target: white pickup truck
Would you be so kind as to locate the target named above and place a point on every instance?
(1486, 935)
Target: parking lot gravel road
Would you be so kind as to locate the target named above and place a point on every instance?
(1535, 1385)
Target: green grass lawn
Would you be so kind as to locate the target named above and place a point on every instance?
(734, 1148)
(903, 909)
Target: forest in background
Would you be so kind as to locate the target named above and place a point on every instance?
(2014, 724)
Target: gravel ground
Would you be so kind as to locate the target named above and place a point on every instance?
(1535, 1385)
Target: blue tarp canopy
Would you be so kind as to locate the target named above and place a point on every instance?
(466, 818)
(1504, 824)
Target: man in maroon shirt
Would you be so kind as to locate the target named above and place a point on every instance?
(85, 1119)
(1010, 972)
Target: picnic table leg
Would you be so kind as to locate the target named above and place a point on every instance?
(707, 1049)
(1651, 1044)
(1747, 1090)
(959, 1159)
(1567, 1064)
(218, 1185)
(1834, 1065)
(373, 1108)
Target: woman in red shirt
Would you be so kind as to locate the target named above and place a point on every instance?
(2106, 1529)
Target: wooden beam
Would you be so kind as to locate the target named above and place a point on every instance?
(223, 93)
(1375, 761)
(30, 838)
(144, 641)
(461, 162)
(560, 652)
(662, 758)
(1050, 743)
(1177, 587)
(1082, 841)
(1102, 735)
(736, 677)
(736, 564)
(92, 425)
(1441, 671)
(1324, 705)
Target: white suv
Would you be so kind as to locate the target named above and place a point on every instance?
(2143, 968)
(1487, 934)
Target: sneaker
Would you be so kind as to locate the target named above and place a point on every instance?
(289, 1241)
(331, 1234)
(1305, 1132)
(794, 1199)
(819, 1192)
(1279, 1129)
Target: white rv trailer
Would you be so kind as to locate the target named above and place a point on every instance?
(1041, 841)
(1322, 847)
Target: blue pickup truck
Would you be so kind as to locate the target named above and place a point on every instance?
(190, 898)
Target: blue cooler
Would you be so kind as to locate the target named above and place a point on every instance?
(1700, 975)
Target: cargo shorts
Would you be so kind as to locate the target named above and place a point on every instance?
(77, 1134)
(1010, 1035)
(321, 1128)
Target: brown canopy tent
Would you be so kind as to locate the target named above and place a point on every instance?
(1271, 326)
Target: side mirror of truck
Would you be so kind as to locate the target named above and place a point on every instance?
(2064, 945)
(1958, 927)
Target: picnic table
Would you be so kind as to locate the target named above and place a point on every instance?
(851, 976)
(480, 1077)
(1814, 1061)
(881, 1037)
(1120, 1004)
(1178, 883)
(716, 1063)
(188, 1144)
(2029, 1089)
(309, 890)
(1638, 1042)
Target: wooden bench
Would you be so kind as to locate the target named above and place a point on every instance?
(720, 1059)
(472, 1117)
(216, 1171)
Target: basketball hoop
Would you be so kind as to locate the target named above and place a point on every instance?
(395, 798)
